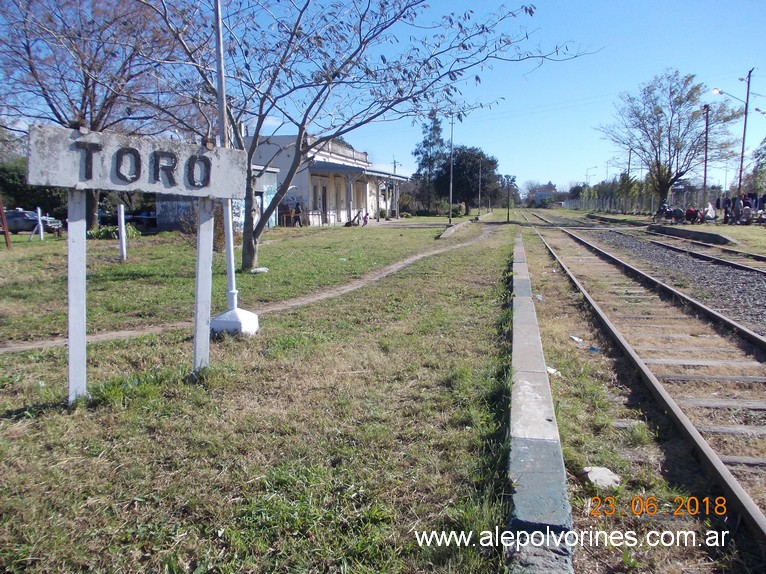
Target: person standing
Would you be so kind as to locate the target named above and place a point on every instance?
(736, 209)
(297, 215)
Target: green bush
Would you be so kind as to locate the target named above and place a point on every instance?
(112, 232)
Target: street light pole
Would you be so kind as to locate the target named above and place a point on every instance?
(587, 174)
(234, 320)
(587, 184)
(479, 186)
(451, 133)
(706, 109)
(744, 132)
(746, 101)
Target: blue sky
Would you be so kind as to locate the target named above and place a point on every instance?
(545, 129)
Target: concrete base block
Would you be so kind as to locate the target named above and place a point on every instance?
(539, 560)
(685, 232)
(538, 478)
(235, 322)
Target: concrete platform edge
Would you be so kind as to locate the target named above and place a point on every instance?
(535, 465)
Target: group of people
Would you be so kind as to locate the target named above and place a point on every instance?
(694, 215)
(742, 208)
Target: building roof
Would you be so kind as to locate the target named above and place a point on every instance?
(333, 167)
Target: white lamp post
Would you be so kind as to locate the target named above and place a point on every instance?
(746, 101)
(234, 320)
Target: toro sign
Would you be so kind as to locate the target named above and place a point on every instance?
(95, 160)
(82, 160)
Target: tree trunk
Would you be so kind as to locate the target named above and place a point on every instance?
(91, 213)
(664, 191)
(249, 241)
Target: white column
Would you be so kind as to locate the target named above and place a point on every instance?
(228, 226)
(76, 282)
(40, 228)
(203, 284)
(121, 231)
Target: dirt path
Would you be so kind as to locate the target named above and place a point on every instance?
(277, 307)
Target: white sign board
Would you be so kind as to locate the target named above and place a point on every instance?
(82, 160)
(95, 160)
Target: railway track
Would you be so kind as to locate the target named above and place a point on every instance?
(709, 252)
(561, 221)
(710, 380)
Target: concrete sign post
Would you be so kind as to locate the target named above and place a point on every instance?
(83, 160)
(40, 228)
(203, 283)
(121, 232)
(76, 274)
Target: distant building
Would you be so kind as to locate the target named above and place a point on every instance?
(335, 184)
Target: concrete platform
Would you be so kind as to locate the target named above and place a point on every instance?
(536, 465)
(453, 228)
(687, 233)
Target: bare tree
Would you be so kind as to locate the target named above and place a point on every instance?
(318, 70)
(79, 65)
(664, 126)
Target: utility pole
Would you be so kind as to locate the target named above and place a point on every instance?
(479, 186)
(396, 188)
(451, 133)
(744, 132)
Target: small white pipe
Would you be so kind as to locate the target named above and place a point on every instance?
(121, 231)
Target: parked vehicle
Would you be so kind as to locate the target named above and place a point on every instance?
(19, 220)
(669, 214)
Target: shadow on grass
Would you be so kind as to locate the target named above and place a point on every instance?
(35, 410)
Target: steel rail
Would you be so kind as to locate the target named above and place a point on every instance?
(709, 258)
(743, 331)
(756, 256)
(708, 457)
(702, 256)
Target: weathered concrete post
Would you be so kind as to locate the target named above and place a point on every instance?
(76, 291)
(121, 232)
(204, 283)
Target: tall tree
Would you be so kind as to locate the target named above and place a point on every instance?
(664, 126)
(510, 190)
(471, 169)
(430, 154)
(756, 180)
(78, 64)
(319, 70)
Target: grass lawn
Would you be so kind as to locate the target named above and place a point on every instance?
(321, 445)
(156, 284)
